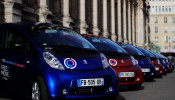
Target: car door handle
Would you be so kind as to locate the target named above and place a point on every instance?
(28, 61)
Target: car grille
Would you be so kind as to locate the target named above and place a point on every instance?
(127, 80)
(88, 91)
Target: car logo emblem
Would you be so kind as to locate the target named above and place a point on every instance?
(85, 62)
(122, 61)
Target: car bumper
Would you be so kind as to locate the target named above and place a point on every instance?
(159, 69)
(148, 74)
(136, 80)
(63, 84)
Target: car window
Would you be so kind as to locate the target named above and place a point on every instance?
(60, 37)
(14, 40)
(103, 44)
(146, 53)
(132, 50)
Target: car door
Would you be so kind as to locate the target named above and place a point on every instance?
(3, 71)
(14, 59)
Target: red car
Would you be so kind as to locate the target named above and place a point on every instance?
(125, 66)
(158, 66)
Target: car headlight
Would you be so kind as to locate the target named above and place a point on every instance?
(134, 61)
(158, 61)
(104, 61)
(52, 61)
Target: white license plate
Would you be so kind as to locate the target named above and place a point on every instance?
(145, 70)
(157, 68)
(126, 74)
(90, 82)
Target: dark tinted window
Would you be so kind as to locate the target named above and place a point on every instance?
(146, 53)
(14, 40)
(132, 50)
(103, 44)
(60, 36)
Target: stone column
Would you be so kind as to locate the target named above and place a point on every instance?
(83, 25)
(147, 32)
(133, 24)
(42, 10)
(113, 35)
(119, 21)
(129, 22)
(66, 16)
(105, 29)
(95, 17)
(12, 10)
(8, 11)
(140, 25)
(124, 22)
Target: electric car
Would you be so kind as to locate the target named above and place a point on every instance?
(43, 61)
(148, 69)
(149, 55)
(160, 69)
(128, 72)
(172, 65)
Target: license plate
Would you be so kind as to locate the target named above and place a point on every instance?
(145, 70)
(90, 82)
(126, 74)
(157, 68)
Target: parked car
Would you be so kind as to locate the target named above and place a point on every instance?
(162, 61)
(149, 55)
(128, 72)
(45, 61)
(148, 69)
(158, 66)
(172, 65)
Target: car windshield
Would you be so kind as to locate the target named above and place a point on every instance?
(146, 53)
(60, 37)
(132, 50)
(103, 44)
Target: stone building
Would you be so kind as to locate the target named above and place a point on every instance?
(162, 23)
(120, 20)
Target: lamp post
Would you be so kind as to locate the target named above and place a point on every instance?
(169, 44)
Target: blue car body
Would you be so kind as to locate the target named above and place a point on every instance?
(74, 65)
(148, 69)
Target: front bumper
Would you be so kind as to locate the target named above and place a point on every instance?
(151, 73)
(63, 84)
(159, 69)
(136, 80)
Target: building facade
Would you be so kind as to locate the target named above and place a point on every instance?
(123, 21)
(162, 23)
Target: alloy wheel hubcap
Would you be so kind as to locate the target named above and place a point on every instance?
(35, 91)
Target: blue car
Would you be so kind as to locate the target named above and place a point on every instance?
(43, 61)
(143, 61)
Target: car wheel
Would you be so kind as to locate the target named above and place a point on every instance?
(39, 89)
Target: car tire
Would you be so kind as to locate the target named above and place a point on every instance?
(39, 89)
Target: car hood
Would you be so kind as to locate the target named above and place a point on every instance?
(81, 64)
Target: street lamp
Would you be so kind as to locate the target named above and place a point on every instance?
(169, 44)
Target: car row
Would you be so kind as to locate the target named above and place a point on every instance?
(43, 61)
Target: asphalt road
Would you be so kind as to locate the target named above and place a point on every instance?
(158, 89)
